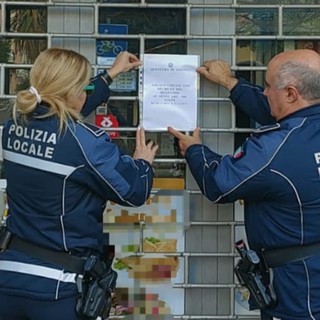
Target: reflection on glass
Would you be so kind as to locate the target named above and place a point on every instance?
(21, 50)
(308, 44)
(166, 46)
(301, 21)
(16, 80)
(168, 148)
(257, 52)
(146, 21)
(4, 50)
(169, 170)
(108, 49)
(256, 21)
(5, 110)
(26, 19)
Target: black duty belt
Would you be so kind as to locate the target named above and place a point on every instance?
(65, 260)
(280, 256)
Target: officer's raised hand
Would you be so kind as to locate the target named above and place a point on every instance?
(185, 141)
(125, 61)
(145, 151)
(219, 72)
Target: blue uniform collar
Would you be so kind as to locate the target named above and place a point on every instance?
(40, 110)
(305, 112)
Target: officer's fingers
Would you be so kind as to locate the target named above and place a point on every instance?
(154, 148)
(134, 59)
(208, 63)
(140, 137)
(196, 133)
(201, 69)
(182, 148)
(150, 143)
(205, 72)
(135, 65)
(175, 133)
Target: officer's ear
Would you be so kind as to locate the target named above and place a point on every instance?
(292, 94)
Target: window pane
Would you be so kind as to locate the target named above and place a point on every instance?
(4, 50)
(215, 114)
(166, 1)
(26, 19)
(257, 52)
(108, 49)
(301, 21)
(147, 1)
(166, 46)
(169, 170)
(308, 44)
(126, 113)
(256, 21)
(5, 110)
(37, 0)
(22, 50)
(146, 21)
(16, 80)
(263, 2)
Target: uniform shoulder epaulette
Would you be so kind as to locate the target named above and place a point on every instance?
(271, 127)
(96, 131)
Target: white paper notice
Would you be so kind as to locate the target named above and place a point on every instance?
(170, 92)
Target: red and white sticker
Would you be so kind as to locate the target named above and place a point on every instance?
(108, 121)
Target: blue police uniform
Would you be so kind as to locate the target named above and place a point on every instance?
(57, 186)
(277, 173)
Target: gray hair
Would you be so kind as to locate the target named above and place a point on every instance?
(300, 75)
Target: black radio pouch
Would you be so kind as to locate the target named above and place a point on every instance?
(94, 292)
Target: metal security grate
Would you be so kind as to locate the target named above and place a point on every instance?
(247, 33)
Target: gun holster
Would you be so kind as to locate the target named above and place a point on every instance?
(96, 280)
(254, 274)
(95, 289)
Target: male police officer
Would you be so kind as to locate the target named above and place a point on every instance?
(277, 175)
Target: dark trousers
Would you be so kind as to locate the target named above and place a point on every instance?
(22, 308)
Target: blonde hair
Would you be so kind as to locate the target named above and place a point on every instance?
(57, 74)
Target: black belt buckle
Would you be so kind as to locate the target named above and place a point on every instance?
(5, 237)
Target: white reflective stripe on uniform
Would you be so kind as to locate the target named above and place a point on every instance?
(38, 163)
(36, 270)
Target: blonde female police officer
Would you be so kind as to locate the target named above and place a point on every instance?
(60, 172)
